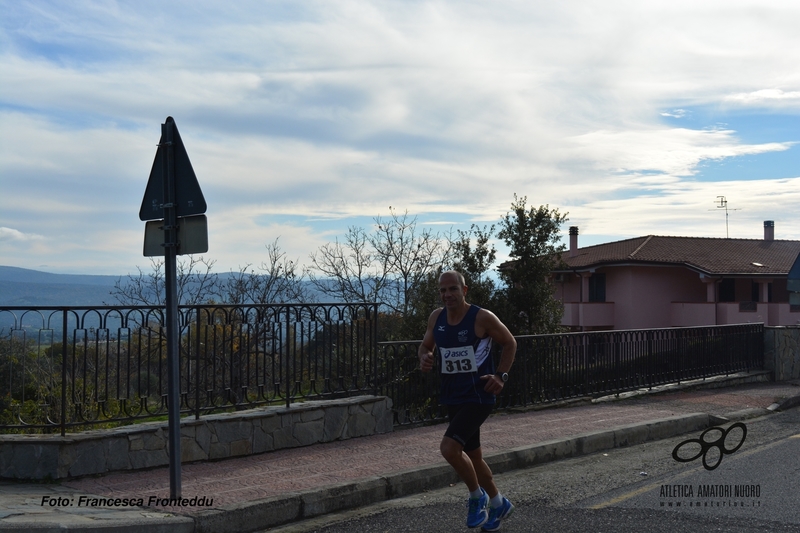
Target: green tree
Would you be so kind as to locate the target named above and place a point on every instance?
(532, 235)
(424, 298)
(475, 263)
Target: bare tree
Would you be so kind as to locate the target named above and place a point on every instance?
(410, 253)
(350, 271)
(388, 265)
(276, 280)
(195, 283)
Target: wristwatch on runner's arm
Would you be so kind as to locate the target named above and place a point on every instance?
(503, 376)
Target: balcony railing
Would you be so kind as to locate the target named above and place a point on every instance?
(588, 314)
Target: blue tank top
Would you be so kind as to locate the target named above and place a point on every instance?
(462, 359)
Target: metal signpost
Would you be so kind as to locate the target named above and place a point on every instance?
(174, 196)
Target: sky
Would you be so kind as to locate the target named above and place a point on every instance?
(302, 119)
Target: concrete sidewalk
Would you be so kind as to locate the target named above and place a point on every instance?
(262, 491)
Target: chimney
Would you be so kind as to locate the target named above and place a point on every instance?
(573, 241)
(769, 230)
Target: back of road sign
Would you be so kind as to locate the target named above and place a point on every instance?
(793, 282)
(189, 197)
(192, 236)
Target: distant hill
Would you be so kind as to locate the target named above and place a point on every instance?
(21, 286)
(25, 275)
(24, 287)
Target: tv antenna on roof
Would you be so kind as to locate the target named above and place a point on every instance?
(723, 204)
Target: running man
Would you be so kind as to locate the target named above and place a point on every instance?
(461, 335)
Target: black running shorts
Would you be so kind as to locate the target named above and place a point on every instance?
(465, 423)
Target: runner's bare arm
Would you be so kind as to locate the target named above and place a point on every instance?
(487, 323)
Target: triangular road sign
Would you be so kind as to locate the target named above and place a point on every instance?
(189, 197)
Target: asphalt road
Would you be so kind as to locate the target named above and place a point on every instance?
(641, 488)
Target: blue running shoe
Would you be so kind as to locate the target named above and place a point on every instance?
(495, 515)
(477, 515)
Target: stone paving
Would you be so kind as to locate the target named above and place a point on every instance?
(272, 474)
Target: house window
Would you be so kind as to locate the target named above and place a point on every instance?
(755, 292)
(727, 290)
(597, 288)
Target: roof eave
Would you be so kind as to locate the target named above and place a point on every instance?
(690, 266)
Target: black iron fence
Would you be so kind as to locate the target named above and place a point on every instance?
(550, 368)
(89, 367)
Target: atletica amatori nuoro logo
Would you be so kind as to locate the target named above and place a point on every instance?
(682, 450)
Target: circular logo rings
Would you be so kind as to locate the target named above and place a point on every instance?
(706, 445)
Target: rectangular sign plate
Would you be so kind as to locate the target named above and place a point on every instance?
(192, 236)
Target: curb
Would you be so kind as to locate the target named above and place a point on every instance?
(788, 403)
(280, 510)
(714, 382)
(166, 524)
(745, 414)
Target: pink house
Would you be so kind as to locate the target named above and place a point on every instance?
(658, 282)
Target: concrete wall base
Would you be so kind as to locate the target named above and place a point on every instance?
(782, 352)
(139, 446)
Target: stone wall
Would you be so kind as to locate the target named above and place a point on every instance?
(782, 352)
(212, 437)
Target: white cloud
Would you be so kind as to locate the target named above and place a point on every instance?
(676, 113)
(11, 234)
(334, 110)
(691, 209)
(765, 96)
(674, 151)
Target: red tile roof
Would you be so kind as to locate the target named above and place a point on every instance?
(707, 255)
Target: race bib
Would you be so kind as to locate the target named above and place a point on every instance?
(458, 360)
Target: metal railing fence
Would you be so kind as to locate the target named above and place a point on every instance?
(88, 367)
(550, 368)
(93, 367)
